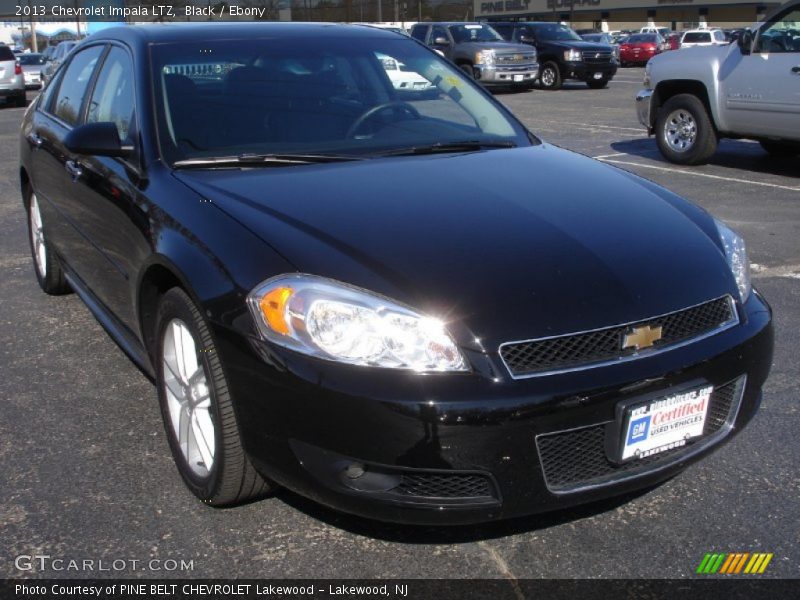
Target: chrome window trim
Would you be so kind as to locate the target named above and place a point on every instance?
(691, 451)
(732, 322)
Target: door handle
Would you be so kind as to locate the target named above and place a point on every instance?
(35, 139)
(74, 169)
(796, 70)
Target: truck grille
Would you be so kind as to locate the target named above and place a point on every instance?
(576, 459)
(604, 346)
(516, 58)
(596, 56)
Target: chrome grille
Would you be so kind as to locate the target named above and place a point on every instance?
(597, 56)
(516, 58)
(576, 459)
(602, 346)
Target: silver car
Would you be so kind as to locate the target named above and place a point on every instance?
(32, 65)
(12, 81)
(58, 56)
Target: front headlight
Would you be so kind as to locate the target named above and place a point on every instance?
(572, 55)
(736, 253)
(335, 321)
(485, 58)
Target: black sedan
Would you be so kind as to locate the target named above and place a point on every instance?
(399, 303)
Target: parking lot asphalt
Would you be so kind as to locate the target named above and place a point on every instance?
(88, 475)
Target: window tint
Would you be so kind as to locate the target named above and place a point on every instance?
(31, 59)
(783, 35)
(73, 84)
(6, 53)
(418, 32)
(697, 37)
(112, 100)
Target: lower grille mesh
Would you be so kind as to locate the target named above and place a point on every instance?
(445, 485)
(577, 458)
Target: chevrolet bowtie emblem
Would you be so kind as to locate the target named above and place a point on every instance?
(641, 337)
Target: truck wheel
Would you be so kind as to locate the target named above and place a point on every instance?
(684, 132)
(467, 68)
(550, 76)
(597, 84)
(787, 149)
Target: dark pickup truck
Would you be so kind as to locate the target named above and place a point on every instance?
(481, 52)
(562, 53)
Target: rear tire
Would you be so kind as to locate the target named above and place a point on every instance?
(550, 76)
(783, 149)
(684, 132)
(46, 264)
(197, 408)
(597, 84)
(22, 101)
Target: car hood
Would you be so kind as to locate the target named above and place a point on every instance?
(582, 46)
(496, 46)
(512, 243)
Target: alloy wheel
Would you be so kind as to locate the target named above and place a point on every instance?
(37, 237)
(680, 130)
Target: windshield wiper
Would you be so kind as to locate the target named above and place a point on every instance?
(261, 160)
(462, 146)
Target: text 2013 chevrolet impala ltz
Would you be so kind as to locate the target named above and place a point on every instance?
(397, 302)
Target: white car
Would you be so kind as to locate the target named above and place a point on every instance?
(703, 37)
(401, 76)
(662, 31)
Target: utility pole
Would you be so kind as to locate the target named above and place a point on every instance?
(380, 11)
(34, 41)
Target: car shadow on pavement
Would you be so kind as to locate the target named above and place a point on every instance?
(452, 534)
(731, 154)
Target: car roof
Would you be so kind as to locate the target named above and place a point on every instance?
(192, 32)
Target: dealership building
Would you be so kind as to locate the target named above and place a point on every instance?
(609, 15)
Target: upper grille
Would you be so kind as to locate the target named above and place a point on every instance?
(577, 458)
(571, 351)
(596, 56)
(517, 58)
(445, 485)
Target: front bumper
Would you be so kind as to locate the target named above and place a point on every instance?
(317, 427)
(516, 75)
(644, 100)
(585, 71)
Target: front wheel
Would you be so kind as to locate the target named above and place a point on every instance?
(785, 149)
(197, 408)
(468, 70)
(46, 264)
(550, 76)
(684, 132)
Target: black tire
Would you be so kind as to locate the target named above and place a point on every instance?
(467, 68)
(232, 479)
(550, 76)
(704, 143)
(783, 149)
(51, 275)
(22, 101)
(597, 84)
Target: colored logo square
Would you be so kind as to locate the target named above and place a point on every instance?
(638, 430)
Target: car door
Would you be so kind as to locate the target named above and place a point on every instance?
(761, 90)
(104, 188)
(56, 113)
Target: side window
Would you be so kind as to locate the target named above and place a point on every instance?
(73, 84)
(782, 35)
(438, 32)
(719, 36)
(112, 99)
(418, 32)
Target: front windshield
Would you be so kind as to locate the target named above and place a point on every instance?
(474, 33)
(556, 32)
(317, 96)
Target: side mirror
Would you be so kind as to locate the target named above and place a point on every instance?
(96, 139)
(745, 41)
(441, 41)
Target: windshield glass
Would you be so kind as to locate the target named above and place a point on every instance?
(31, 59)
(316, 96)
(695, 37)
(556, 32)
(641, 38)
(474, 33)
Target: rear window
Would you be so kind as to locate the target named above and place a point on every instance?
(697, 37)
(31, 59)
(642, 38)
(6, 53)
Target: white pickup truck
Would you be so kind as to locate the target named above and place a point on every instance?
(747, 89)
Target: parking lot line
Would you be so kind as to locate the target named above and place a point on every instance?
(697, 173)
(615, 127)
